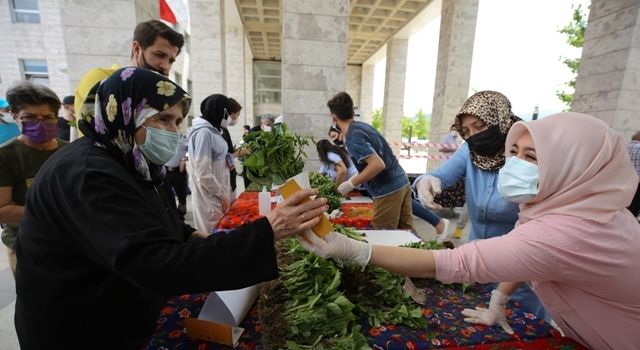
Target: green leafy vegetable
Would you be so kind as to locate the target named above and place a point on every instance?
(326, 188)
(317, 303)
(274, 156)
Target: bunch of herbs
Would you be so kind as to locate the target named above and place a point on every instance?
(273, 156)
(326, 188)
(320, 301)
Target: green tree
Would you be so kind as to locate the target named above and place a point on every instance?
(376, 119)
(575, 37)
(421, 126)
(406, 124)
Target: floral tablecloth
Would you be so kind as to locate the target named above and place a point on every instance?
(446, 328)
(245, 209)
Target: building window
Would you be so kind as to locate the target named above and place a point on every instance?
(35, 71)
(267, 77)
(25, 11)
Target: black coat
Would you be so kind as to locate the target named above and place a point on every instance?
(99, 252)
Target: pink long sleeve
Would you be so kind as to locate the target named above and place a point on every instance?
(585, 273)
(522, 255)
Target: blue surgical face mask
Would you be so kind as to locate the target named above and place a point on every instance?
(518, 180)
(159, 145)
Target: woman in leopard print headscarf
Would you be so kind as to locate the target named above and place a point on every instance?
(483, 121)
(494, 110)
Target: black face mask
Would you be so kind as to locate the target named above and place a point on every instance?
(149, 67)
(487, 143)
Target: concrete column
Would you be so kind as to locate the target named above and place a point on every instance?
(353, 85)
(393, 107)
(314, 62)
(366, 92)
(234, 52)
(455, 51)
(207, 49)
(247, 110)
(608, 83)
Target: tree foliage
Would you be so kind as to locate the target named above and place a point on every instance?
(575, 37)
(376, 119)
(420, 124)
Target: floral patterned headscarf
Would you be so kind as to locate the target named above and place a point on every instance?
(122, 103)
(493, 108)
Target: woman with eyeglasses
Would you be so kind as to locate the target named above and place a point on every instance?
(35, 108)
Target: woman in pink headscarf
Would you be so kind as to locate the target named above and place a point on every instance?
(574, 240)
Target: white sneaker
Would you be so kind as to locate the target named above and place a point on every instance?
(445, 232)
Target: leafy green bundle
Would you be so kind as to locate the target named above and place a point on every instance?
(317, 303)
(326, 188)
(274, 156)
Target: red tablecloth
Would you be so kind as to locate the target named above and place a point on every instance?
(245, 209)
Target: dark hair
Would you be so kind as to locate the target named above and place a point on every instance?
(636, 136)
(233, 106)
(341, 105)
(68, 100)
(147, 32)
(333, 129)
(247, 127)
(212, 108)
(325, 146)
(27, 93)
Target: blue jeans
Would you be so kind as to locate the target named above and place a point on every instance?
(424, 213)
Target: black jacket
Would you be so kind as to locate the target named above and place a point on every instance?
(100, 251)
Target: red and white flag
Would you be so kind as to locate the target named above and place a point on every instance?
(166, 13)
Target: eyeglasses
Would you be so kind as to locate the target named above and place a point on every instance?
(49, 118)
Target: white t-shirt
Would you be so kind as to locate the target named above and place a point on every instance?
(330, 168)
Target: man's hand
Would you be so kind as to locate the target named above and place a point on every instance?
(346, 187)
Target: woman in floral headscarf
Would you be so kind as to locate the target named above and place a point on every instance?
(483, 121)
(100, 248)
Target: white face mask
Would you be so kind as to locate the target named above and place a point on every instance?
(233, 121)
(265, 128)
(224, 123)
(518, 180)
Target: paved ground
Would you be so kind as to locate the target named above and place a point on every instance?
(8, 339)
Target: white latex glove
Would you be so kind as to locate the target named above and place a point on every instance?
(346, 187)
(336, 245)
(428, 187)
(336, 213)
(495, 314)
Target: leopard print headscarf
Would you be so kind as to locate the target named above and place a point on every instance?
(493, 108)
